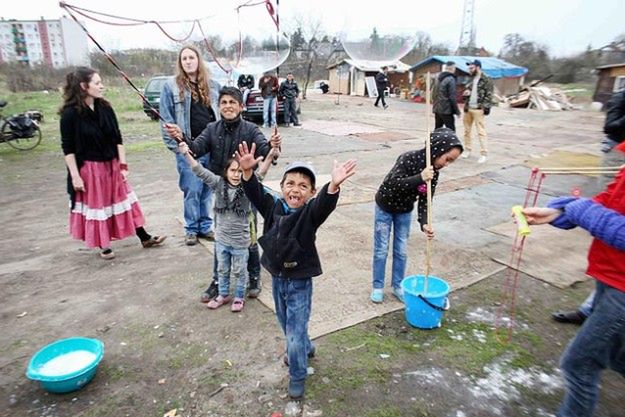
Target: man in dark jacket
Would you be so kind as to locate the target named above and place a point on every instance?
(444, 97)
(478, 99)
(381, 83)
(290, 91)
(614, 129)
(220, 140)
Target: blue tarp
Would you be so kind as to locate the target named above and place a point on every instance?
(493, 67)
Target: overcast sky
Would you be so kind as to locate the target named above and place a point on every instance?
(564, 26)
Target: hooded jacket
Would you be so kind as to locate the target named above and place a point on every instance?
(604, 218)
(445, 94)
(403, 185)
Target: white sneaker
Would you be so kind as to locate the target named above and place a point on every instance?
(466, 154)
(482, 159)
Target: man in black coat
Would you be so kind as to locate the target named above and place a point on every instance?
(381, 83)
(444, 98)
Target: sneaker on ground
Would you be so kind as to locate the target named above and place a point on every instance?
(237, 305)
(254, 288)
(482, 159)
(190, 239)
(211, 292)
(311, 354)
(219, 301)
(385, 106)
(398, 293)
(297, 388)
(210, 235)
(466, 154)
(377, 295)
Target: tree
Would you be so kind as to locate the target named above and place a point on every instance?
(532, 55)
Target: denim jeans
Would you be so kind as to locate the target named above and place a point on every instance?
(197, 197)
(598, 345)
(381, 237)
(293, 299)
(231, 260)
(290, 111)
(586, 307)
(269, 110)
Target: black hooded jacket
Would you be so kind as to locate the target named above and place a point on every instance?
(445, 94)
(401, 186)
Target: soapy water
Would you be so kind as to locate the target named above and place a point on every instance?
(67, 363)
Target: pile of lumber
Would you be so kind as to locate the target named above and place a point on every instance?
(533, 96)
(541, 98)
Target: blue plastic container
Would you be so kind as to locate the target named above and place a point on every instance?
(425, 311)
(71, 381)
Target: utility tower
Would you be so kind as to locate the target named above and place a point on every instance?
(466, 46)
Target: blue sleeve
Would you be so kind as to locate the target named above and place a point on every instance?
(168, 113)
(601, 222)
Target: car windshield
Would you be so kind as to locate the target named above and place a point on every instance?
(155, 85)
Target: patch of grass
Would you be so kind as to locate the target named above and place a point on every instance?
(187, 356)
(386, 412)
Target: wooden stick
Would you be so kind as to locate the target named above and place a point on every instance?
(597, 172)
(581, 168)
(428, 162)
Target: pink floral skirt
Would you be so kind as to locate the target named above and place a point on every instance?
(108, 209)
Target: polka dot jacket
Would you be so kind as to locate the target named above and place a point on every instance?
(403, 185)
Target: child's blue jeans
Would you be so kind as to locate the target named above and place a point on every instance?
(231, 260)
(384, 222)
(293, 299)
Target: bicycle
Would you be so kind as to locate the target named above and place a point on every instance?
(20, 131)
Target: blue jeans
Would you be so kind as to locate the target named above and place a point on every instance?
(293, 299)
(197, 197)
(586, 307)
(269, 111)
(231, 260)
(290, 111)
(381, 237)
(600, 343)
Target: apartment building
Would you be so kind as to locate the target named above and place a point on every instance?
(56, 43)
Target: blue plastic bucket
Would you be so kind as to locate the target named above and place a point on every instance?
(425, 311)
(78, 373)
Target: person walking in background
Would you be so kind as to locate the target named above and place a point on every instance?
(478, 98)
(103, 206)
(269, 90)
(190, 100)
(381, 83)
(445, 105)
(290, 91)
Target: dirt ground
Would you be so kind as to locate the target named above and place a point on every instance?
(165, 350)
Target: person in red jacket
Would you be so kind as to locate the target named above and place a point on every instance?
(600, 342)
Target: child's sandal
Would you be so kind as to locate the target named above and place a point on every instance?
(218, 302)
(237, 305)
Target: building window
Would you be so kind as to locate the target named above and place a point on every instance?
(619, 83)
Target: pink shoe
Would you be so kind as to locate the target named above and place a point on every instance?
(237, 305)
(218, 302)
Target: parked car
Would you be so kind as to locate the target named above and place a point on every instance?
(152, 93)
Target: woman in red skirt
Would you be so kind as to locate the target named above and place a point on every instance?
(103, 206)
